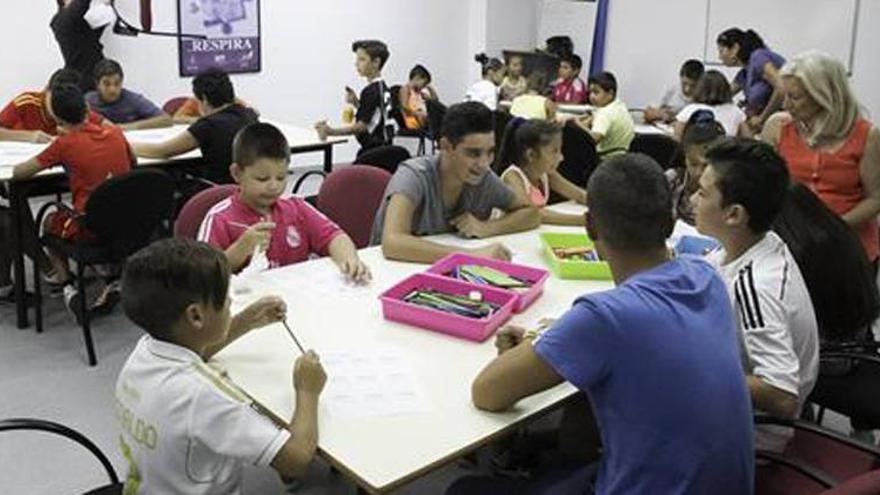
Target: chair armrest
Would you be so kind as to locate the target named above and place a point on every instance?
(801, 467)
(798, 424)
(851, 346)
(58, 205)
(299, 182)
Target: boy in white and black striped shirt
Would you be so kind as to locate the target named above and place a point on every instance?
(741, 192)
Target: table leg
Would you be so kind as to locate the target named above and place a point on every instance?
(17, 197)
(328, 159)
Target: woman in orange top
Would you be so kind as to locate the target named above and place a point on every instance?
(828, 145)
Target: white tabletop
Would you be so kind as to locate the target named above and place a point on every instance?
(383, 452)
(12, 153)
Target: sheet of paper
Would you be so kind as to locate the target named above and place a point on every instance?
(323, 280)
(372, 382)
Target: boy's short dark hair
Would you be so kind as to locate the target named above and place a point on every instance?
(215, 87)
(604, 80)
(108, 68)
(628, 197)
(692, 69)
(161, 280)
(573, 60)
(374, 49)
(713, 89)
(260, 140)
(64, 76)
(752, 174)
(420, 71)
(466, 118)
(68, 104)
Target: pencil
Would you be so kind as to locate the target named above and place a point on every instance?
(292, 336)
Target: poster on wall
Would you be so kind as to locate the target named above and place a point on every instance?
(231, 30)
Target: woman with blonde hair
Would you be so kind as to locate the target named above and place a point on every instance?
(829, 146)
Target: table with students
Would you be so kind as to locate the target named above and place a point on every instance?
(53, 180)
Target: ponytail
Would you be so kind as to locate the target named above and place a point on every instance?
(488, 64)
(522, 135)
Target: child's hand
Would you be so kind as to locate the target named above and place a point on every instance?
(322, 129)
(308, 374)
(496, 250)
(258, 235)
(40, 137)
(356, 270)
(508, 337)
(469, 226)
(262, 312)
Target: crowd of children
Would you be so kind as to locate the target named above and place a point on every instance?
(753, 311)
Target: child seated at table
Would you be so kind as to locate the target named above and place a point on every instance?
(570, 88)
(514, 83)
(185, 427)
(700, 134)
(412, 98)
(91, 154)
(127, 109)
(257, 219)
(530, 153)
(610, 125)
(533, 104)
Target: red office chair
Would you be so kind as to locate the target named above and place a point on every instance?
(193, 213)
(173, 105)
(350, 197)
(816, 460)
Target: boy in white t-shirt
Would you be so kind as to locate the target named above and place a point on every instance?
(741, 192)
(677, 96)
(186, 428)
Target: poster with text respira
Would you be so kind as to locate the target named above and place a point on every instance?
(232, 35)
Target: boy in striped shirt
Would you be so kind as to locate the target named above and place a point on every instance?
(740, 194)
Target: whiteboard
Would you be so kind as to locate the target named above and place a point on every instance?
(789, 27)
(576, 19)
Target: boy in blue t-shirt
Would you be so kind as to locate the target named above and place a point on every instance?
(657, 356)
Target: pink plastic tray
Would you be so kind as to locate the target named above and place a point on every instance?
(393, 308)
(523, 298)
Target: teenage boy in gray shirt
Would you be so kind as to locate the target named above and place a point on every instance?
(454, 191)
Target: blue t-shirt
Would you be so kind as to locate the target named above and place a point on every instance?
(130, 107)
(751, 78)
(659, 359)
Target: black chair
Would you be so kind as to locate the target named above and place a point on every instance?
(579, 157)
(849, 382)
(123, 214)
(501, 118)
(385, 157)
(660, 147)
(436, 113)
(19, 424)
(402, 131)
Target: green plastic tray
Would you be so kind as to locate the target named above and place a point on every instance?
(565, 269)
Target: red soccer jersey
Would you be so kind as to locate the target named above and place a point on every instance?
(90, 155)
(27, 112)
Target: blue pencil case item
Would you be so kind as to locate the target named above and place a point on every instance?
(700, 246)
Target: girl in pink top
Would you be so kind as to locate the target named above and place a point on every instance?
(531, 151)
(257, 220)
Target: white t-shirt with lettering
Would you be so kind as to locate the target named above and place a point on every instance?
(185, 427)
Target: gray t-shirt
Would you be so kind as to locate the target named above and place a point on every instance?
(130, 107)
(419, 180)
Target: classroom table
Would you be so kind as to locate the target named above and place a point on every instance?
(383, 453)
(301, 140)
(567, 111)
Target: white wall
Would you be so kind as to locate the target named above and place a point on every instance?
(512, 24)
(306, 51)
(648, 40)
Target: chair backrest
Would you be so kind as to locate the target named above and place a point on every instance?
(350, 197)
(396, 110)
(660, 147)
(579, 157)
(866, 484)
(500, 120)
(436, 113)
(193, 212)
(385, 157)
(126, 211)
(173, 105)
(18, 424)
